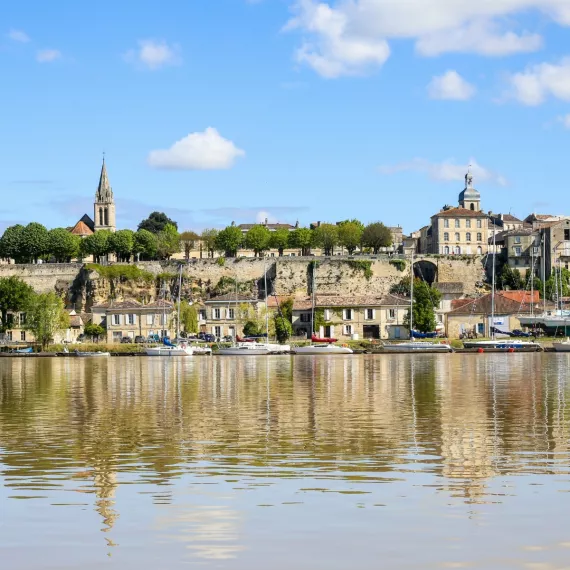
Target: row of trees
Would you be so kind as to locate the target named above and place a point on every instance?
(350, 234)
(45, 312)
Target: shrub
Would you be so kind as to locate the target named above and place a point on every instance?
(399, 264)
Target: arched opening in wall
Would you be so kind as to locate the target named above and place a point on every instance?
(106, 216)
(472, 206)
(426, 271)
(101, 216)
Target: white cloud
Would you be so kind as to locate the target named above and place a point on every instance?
(154, 54)
(347, 37)
(451, 86)
(19, 36)
(198, 151)
(537, 82)
(565, 120)
(48, 55)
(446, 171)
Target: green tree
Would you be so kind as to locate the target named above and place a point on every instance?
(426, 300)
(122, 244)
(286, 308)
(283, 328)
(35, 242)
(280, 240)
(208, 238)
(376, 235)
(15, 296)
(168, 242)
(553, 284)
(188, 317)
(63, 245)
(156, 223)
(302, 238)
(188, 240)
(325, 236)
(94, 331)
(251, 328)
(145, 244)
(258, 239)
(98, 245)
(229, 240)
(350, 235)
(45, 317)
(510, 278)
(11, 243)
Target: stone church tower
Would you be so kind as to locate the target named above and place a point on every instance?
(104, 207)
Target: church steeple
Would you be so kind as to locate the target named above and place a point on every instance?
(470, 198)
(104, 206)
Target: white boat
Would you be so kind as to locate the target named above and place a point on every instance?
(500, 344)
(89, 354)
(563, 346)
(325, 348)
(199, 349)
(415, 346)
(180, 350)
(244, 349)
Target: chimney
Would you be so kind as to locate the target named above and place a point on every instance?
(266, 221)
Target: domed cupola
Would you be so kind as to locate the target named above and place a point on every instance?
(469, 198)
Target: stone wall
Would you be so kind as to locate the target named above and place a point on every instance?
(44, 277)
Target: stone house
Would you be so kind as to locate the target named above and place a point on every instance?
(225, 315)
(557, 245)
(474, 315)
(520, 248)
(131, 319)
(345, 317)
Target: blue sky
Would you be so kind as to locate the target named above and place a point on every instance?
(222, 110)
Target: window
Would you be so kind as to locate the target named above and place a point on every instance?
(446, 236)
(446, 250)
(117, 336)
(369, 314)
(23, 317)
(131, 319)
(467, 223)
(518, 251)
(457, 223)
(150, 320)
(457, 250)
(231, 314)
(479, 250)
(479, 236)
(217, 331)
(517, 239)
(23, 335)
(327, 315)
(516, 261)
(457, 236)
(163, 319)
(479, 224)
(305, 317)
(348, 314)
(9, 335)
(116, 319)
(391, 314)
(348, 330)
(468, 236)
(217, 314)
(566, 235)
(203, 314)
(446, 223)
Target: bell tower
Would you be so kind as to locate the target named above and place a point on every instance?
(104, 206)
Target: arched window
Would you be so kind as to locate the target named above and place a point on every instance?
(472, 206)
(106, 216)
(479, 237)
(479, 250)
(457, 237)
(101, 216)
(446, 250)
(457, 250)
(468, 236)
(446, 236)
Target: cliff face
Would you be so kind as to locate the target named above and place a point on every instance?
(84, 286)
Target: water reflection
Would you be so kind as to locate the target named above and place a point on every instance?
(188, 451)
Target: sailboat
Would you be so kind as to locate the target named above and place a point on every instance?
(412, 345)
(167, 348)
(495, 343)
(319, 345)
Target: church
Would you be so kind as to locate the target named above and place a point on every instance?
(103, 210)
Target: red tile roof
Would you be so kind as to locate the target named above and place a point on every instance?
(81, 229)
(504, 305)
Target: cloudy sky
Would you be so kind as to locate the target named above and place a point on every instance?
(221, 110)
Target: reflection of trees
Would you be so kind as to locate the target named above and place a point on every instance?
(333, 417)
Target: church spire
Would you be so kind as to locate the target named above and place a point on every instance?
(104, 190)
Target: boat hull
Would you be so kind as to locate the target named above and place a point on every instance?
(168, 351)
(503, 345)
(561, 346)
(321, 349)
(418, 347)
(90, 354)
(243, 351)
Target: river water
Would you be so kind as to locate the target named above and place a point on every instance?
(363, 462)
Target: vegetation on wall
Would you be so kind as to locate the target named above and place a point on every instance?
(399, 264)
(361, 265)
(121, 272)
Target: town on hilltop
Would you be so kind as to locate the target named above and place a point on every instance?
(344, 279)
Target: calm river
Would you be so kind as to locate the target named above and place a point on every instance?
(306, 463)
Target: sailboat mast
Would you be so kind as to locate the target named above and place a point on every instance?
(266, 307)
(493, 285)
(412, 296)
(532, 279)
(544, 270)
(313, 299)
(179, 292)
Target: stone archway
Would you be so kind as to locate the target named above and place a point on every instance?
(426, 271)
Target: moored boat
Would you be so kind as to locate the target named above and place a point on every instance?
(413, 346)
(244, 349)
(324, 348)
(563, 346)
